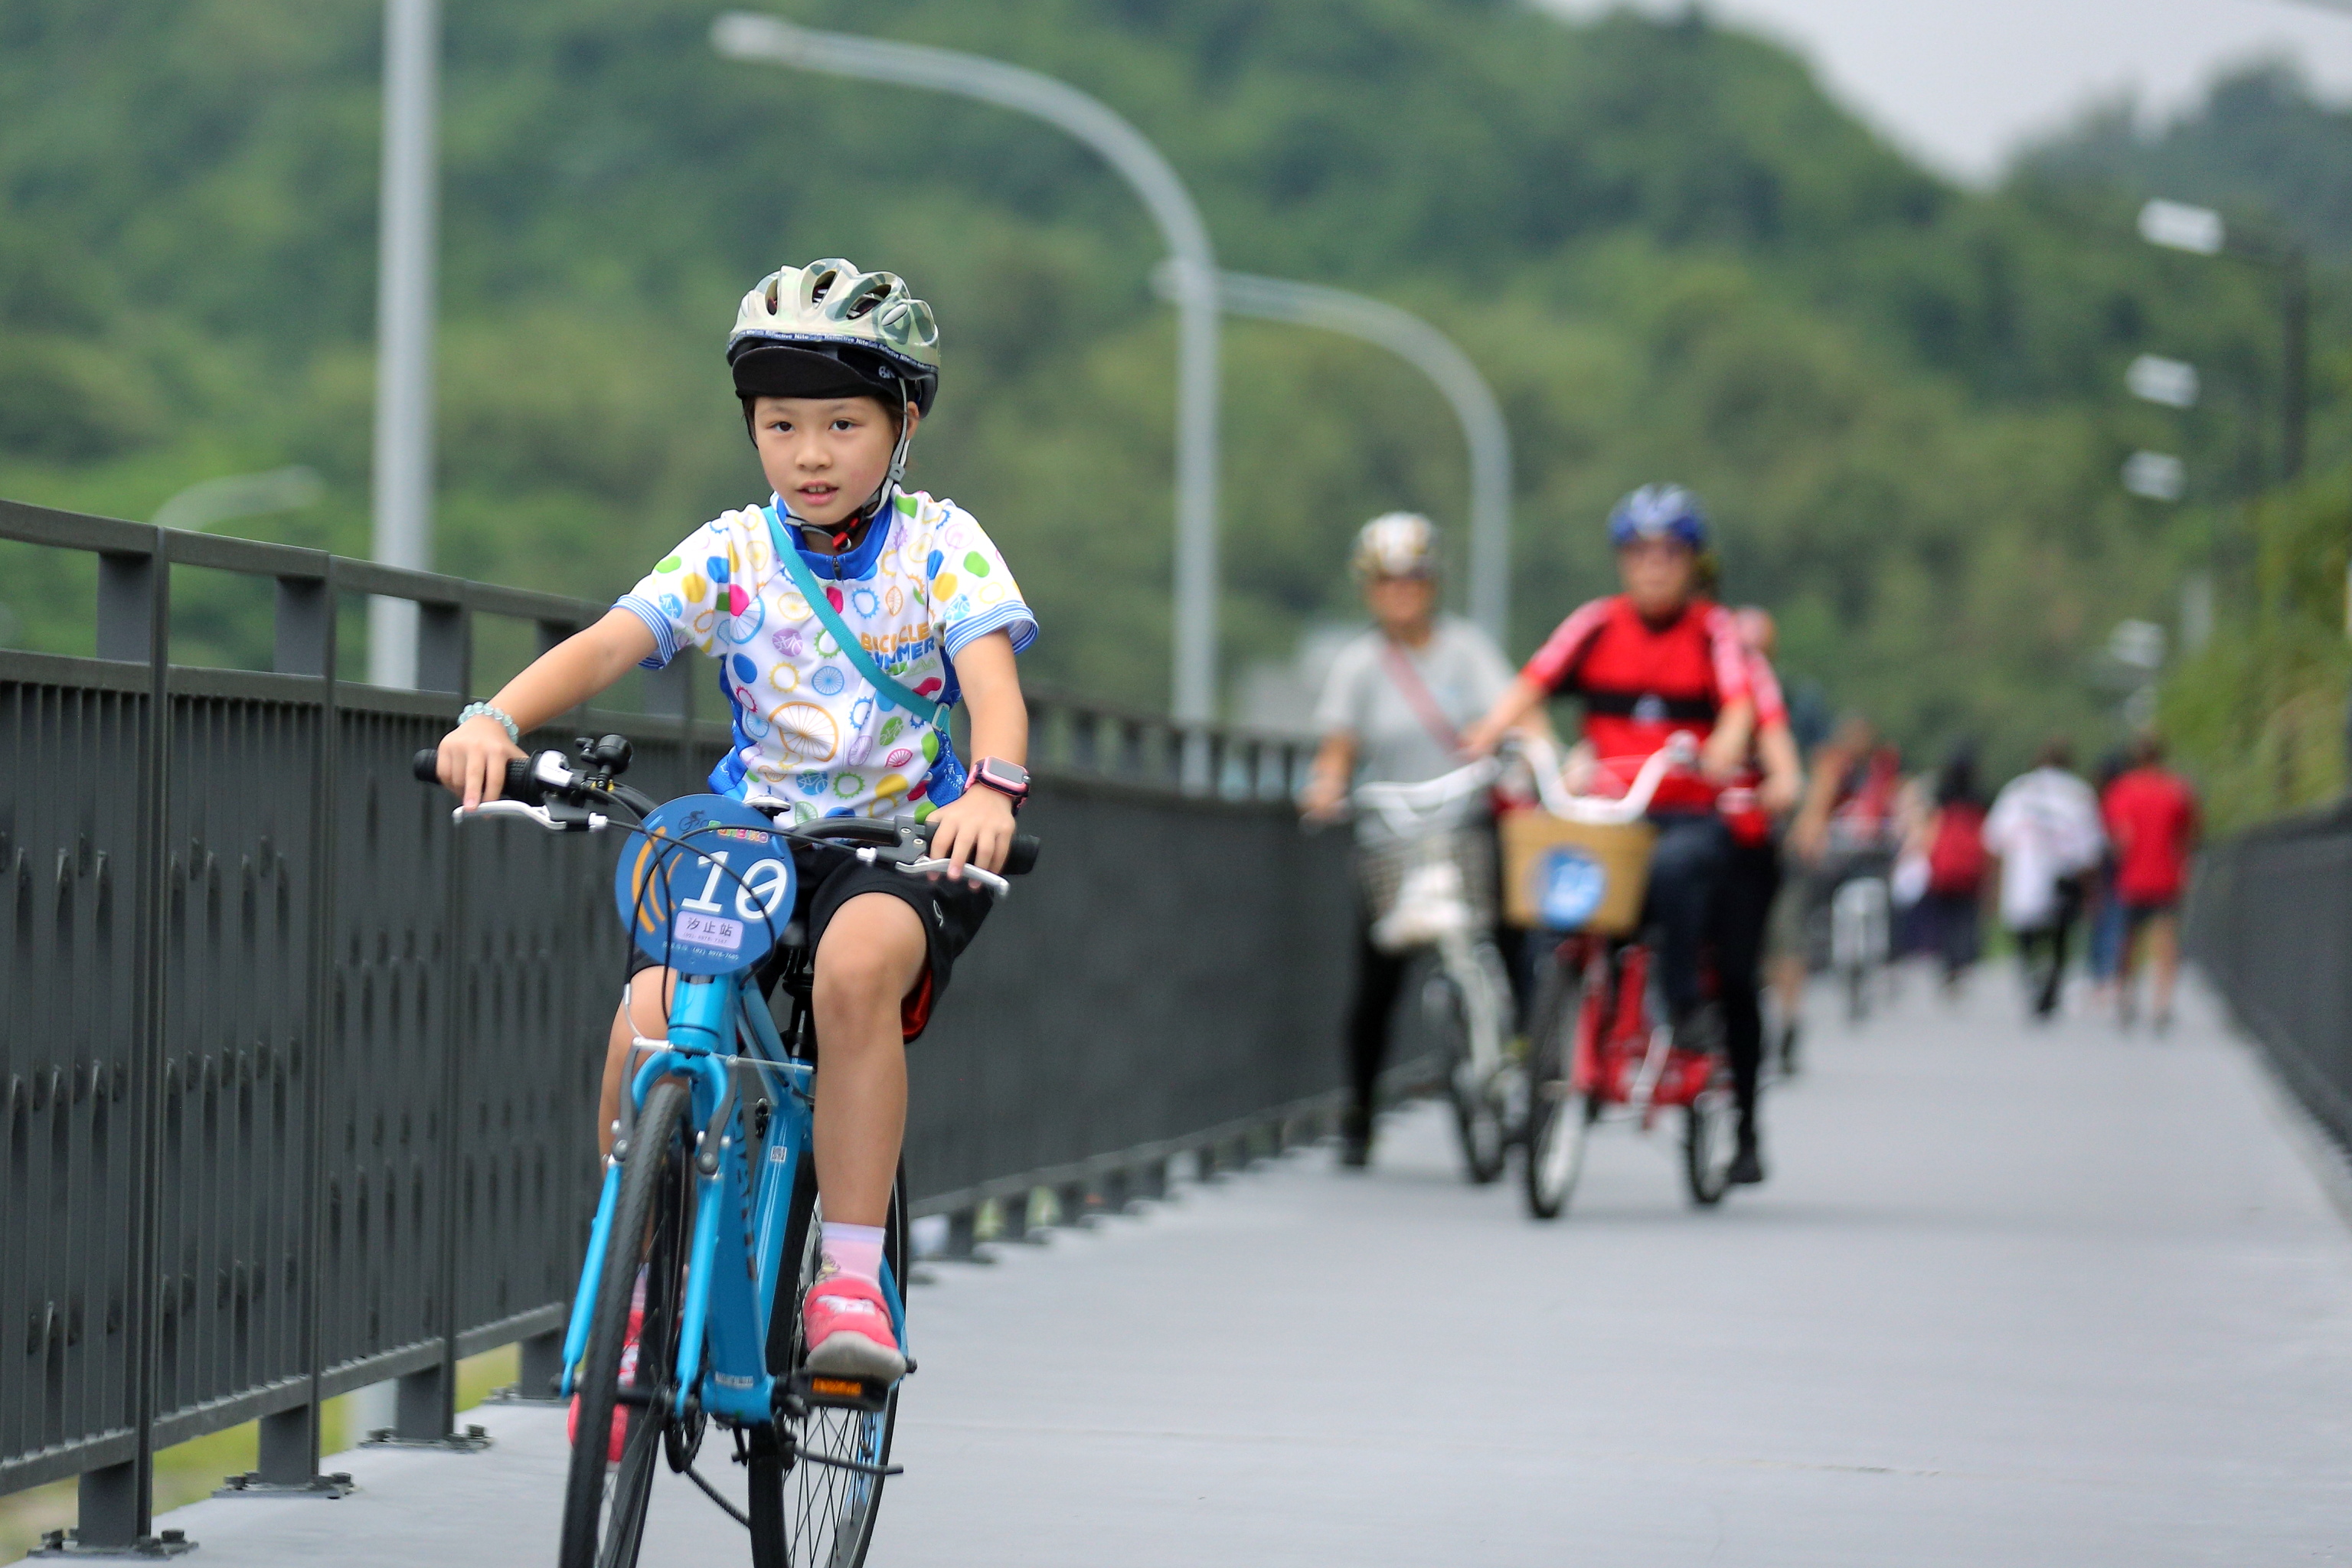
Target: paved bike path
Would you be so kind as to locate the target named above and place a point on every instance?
(2012, 1296)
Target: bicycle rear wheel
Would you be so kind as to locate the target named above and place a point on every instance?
(1559, 1115)
(1708, 1144)
(807, 1512)
(631, 1372)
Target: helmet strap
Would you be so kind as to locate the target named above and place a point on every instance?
(846, 537)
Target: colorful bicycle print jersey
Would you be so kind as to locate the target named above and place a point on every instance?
(808, 726)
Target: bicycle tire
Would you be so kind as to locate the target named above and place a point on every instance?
(803, 1514)
(1558, 1116)
(1477, 1125)
(1707, 1147)
(605, 1504)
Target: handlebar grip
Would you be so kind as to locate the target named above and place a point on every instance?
(1022, 858)
(519, 784)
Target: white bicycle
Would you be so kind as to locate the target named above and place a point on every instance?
(1861, 926)
(1431, 891)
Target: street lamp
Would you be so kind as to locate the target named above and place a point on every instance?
(1437, 357)
(208, 501)
(2177, 225)
(2155, 379)
(403, 326)
(743, 36)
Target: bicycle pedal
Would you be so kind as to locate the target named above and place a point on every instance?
(840, 1393)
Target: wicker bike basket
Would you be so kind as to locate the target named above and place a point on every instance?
(1575, 875)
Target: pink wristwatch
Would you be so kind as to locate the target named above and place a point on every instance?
(1010, 780)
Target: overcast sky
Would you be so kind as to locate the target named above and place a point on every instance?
(1961, 83)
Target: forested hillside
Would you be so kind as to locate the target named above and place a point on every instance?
(1669, 251)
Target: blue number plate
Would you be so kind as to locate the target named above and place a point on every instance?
(705, 885)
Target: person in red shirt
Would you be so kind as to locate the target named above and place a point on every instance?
(1657, 661)
(2151, 817)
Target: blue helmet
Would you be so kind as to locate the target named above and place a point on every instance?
(1658, 511)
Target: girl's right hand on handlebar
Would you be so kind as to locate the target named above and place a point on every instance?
(474, 758)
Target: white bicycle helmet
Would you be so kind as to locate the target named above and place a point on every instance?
(1396, 544)
(826, 324)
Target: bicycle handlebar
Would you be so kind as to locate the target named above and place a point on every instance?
(1678, 754)
(550, 791)
(427, 765)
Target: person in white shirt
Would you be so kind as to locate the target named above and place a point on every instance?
(1392, 711)
(2044, 831)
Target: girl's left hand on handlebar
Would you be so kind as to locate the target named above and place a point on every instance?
(975, 829)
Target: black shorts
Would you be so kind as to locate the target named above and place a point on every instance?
(829, 878)
(2136, 915)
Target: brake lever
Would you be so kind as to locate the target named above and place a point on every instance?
(971, 873)
(559, 817)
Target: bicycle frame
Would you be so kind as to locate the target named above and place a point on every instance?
(732, 1272)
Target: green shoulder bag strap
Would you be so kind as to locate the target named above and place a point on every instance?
(923, 708)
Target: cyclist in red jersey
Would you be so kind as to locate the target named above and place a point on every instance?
(2151, 818)
(1657, 661)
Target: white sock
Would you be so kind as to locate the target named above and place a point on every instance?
(853, 1249)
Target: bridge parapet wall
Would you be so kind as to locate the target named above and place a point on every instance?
(2270, 924)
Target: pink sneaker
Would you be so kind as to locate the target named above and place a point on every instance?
(848, 1327)
(628, 1376)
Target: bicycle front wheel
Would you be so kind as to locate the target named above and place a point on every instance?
(622, 1410)
(1558, 1116)
(1446, 1012)
(814, 1487)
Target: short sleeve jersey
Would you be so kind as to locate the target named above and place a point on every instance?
(2151, 817)
(1460, 672)
(808, 725)
(1643, 683)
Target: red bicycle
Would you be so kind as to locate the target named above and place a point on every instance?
(1600, 1049)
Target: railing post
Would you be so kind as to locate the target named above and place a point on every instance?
(537, 1366)
(444, 650)
(117, 1503)
(669, 691)
(287, 1460)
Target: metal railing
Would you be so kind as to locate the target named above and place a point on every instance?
(2270, 924)
(300, 1081)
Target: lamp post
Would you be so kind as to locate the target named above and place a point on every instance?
(208, 501)
(404, 325)
(1437, 357)
(743, 36)
(2177, 225)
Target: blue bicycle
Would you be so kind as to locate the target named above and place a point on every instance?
(706, 1233)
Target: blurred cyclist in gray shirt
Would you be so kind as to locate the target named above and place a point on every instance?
(1392, 711)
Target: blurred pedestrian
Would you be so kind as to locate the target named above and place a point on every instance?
(2151, 817)
(2044, 830)
(1957, 862)
(2104, 952)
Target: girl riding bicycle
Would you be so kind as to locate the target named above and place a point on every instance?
(840, 709)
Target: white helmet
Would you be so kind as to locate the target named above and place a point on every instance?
(1396, 544)
(804, 330)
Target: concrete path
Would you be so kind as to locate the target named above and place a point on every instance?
(2058, 1298)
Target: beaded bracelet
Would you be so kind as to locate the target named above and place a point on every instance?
(483, 710)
